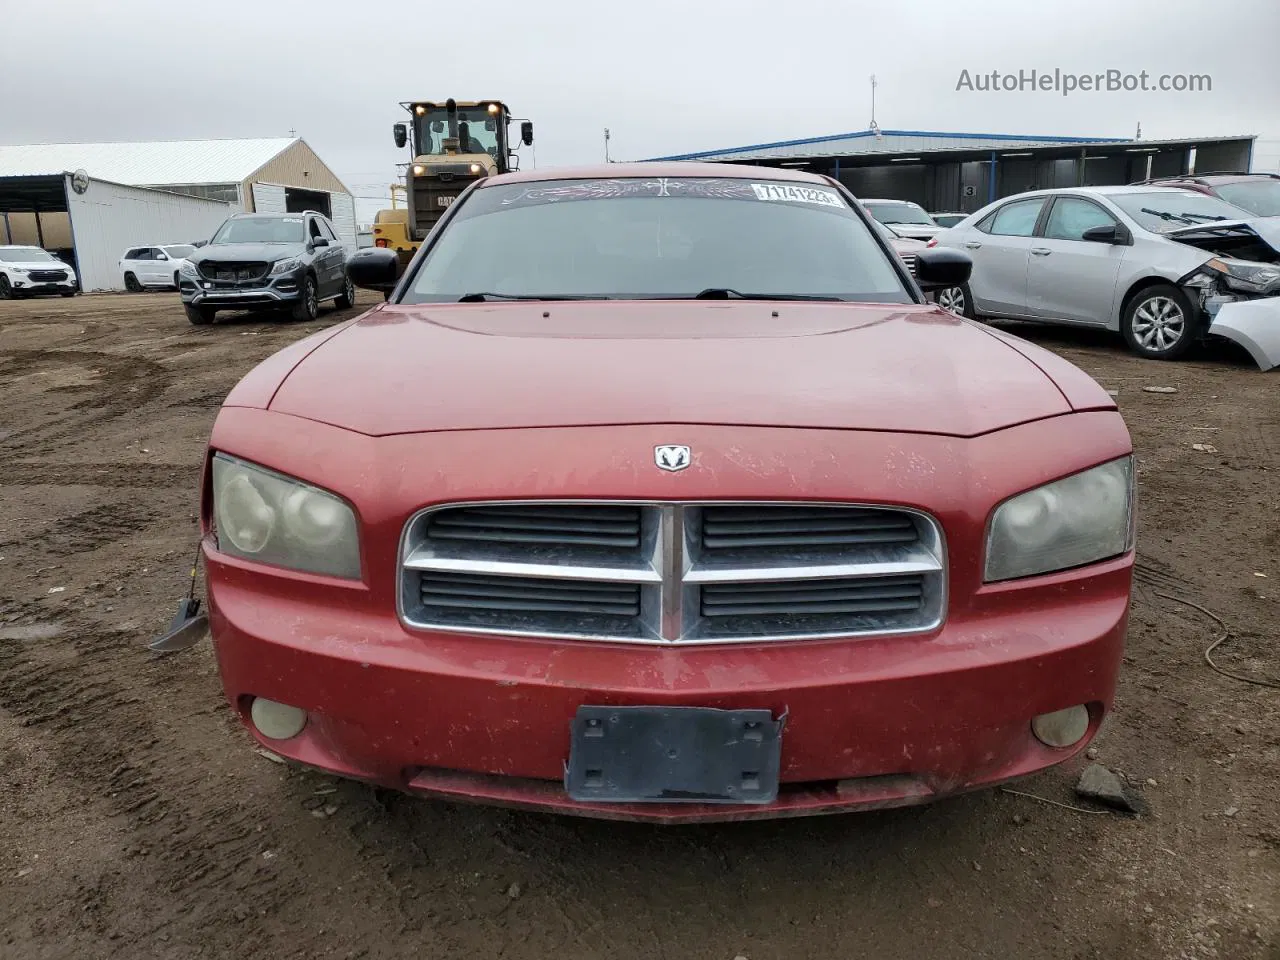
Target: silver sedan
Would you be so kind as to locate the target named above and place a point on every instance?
(1162, 266)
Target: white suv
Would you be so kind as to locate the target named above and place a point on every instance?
(156, 266)
(26, 271)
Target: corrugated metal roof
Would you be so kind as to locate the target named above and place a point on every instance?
(889, 141)
(159, 162)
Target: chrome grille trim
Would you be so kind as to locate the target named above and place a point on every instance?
(674, 573)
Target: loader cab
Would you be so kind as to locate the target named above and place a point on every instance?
(453, 144)
(465, 129)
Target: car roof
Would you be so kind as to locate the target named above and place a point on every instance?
(669, 168)
(887, 200)
(1208, 179)
(1100, 191)
(275, 216)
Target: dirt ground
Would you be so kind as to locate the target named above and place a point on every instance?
(137, 821)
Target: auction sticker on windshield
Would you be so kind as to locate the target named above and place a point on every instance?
(794, 194)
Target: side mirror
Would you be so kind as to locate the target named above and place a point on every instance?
(161, 255)
(317, 242)
(1111, 233)
(526, 133)
(374, 268)
(401, 133)
(939, 267)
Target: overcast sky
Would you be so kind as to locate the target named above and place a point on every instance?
(666, 76)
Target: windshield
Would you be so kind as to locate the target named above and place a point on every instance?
(1259, 197)
(433, 127)
(25, 255)
(261, 230)
(657, 238)
(179, 251)
(1163, 210)
(899, 213)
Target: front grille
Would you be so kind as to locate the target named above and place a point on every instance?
(910, 261)
(673, 573)
(433, 194)
(48, 276)
(233, 271)
(779, 527)
(566, 524)
(791, 597)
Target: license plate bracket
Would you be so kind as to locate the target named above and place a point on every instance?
(673, 755)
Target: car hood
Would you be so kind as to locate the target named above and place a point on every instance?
(915, 231)
(908, 245)
(408, 369)
(1206, 236)
(248, 251)
(35, 264)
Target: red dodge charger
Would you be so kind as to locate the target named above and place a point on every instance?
(660, 492)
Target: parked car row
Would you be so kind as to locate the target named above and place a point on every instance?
(1165, 262)
(1162, 265)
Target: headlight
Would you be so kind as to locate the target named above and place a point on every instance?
(419, 169)
(264, 516)
(188, 269)
(1247, 276)
(285, 266)
(22, 270)
(1080, 519)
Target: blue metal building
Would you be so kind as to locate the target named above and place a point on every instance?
(965, 171)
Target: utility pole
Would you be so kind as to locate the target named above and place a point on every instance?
(875, 127)
(606, 146)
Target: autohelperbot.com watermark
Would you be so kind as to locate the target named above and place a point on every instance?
(1065, 83)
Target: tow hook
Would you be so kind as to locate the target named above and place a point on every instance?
(189, 625)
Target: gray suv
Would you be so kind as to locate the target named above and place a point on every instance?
(267, 261)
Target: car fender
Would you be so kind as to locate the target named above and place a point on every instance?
(1153, 260)
(1254, 325)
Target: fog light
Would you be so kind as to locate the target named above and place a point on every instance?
(277, 721)
(1062, 728)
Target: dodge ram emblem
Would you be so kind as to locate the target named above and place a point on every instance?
(672, 457)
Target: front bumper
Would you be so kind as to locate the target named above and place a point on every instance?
(1254, 325)
(242, 295)
(26, 287)
(870, 721)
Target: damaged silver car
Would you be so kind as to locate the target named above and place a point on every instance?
(1164, 267)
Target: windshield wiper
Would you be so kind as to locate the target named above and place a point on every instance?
(1201, 216)
(485, 297)
(1166, 215)
(728, 293)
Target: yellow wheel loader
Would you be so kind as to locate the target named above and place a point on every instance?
(453, 144)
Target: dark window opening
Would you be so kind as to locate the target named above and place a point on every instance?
(298, 201)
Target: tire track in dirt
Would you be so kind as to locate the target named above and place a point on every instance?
(206, 401)
(96, 714)
(94, 528)
(1154, 574)
(126, 385)
(26, 474)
